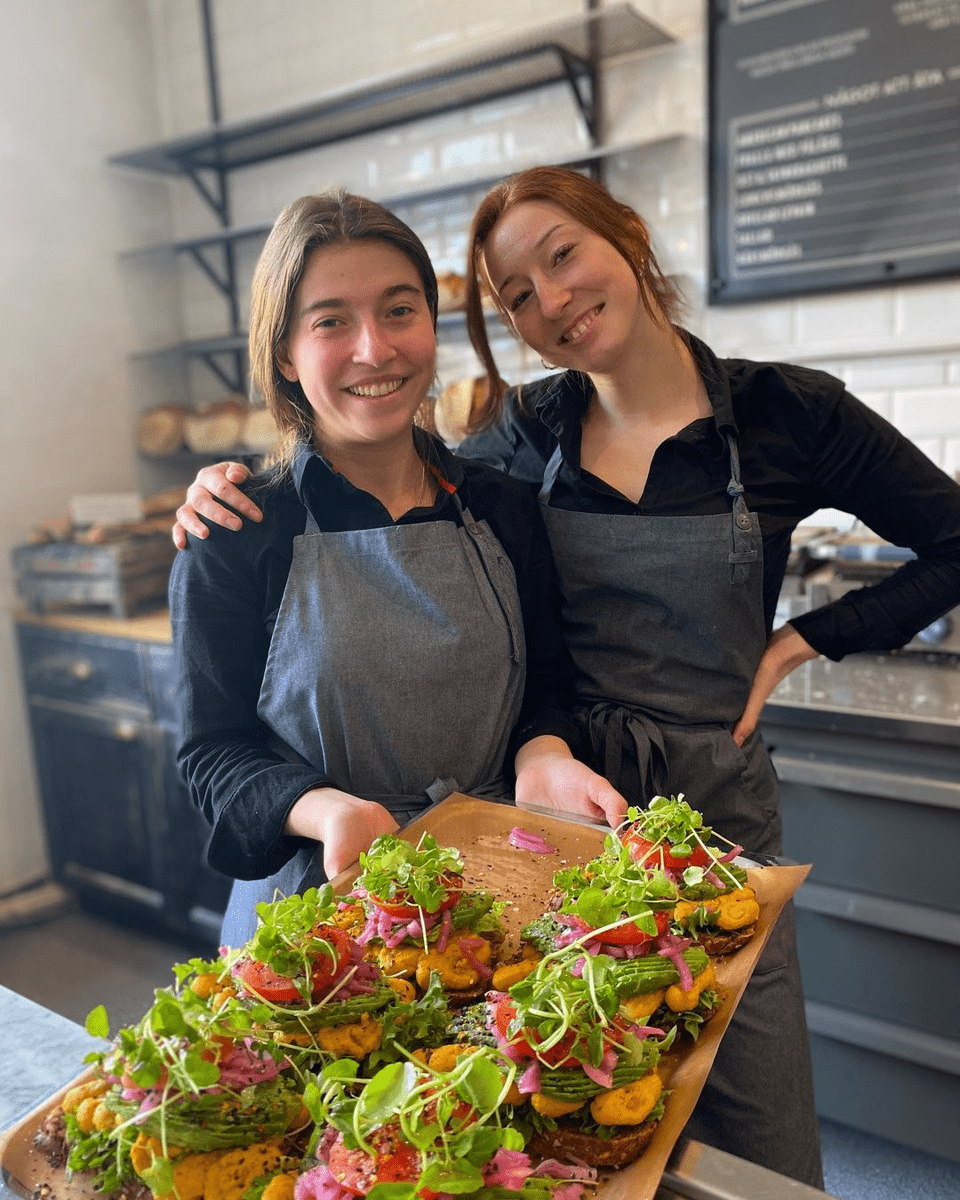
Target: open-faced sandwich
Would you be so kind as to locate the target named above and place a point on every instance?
(414, 1133)
(415, 917)
(588, 1071)
(178, 1105)
(615, 906)
(715, 905)
(301, 981)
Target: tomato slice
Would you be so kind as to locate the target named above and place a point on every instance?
(326, 969)
(643, 850)
(396, 1161)
(263, 982)
(504, 1013)
(259, 980)
(398, 906)
(352, 1169)
(630, 935)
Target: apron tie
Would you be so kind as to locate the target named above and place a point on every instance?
(628, 746)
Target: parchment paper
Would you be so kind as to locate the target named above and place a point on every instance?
(480, 830)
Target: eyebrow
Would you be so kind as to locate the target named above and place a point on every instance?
(537, 244)
(397, 289)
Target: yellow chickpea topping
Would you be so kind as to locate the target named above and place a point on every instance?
(505, 977)
(629, 1105)
(205, 985)
(679, 1000)
(548, 1107)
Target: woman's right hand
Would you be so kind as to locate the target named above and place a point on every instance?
(212, 483)
(344, 824)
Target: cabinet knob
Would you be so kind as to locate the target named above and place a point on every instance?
(81, 669)
(125, 731)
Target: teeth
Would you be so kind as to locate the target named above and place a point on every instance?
(376, 389)
(579, 329)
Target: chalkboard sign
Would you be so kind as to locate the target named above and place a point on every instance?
(834, 144)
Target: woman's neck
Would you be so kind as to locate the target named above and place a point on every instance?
(396, 474)
(654, 391)
(655, 382)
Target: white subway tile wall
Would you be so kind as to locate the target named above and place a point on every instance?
(897, 347)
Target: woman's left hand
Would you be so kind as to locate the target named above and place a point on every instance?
(785, 651)
(548, 776)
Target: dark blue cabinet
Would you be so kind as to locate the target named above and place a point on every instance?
(122, 832)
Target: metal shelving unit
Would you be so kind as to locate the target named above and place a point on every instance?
(568, 52)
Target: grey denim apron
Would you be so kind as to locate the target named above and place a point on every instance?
(396, 667)
(664, 619)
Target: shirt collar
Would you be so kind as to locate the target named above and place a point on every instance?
(561, 400)
(310, 471)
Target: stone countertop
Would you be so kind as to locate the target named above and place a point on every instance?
(40, 1052)
(150, 626)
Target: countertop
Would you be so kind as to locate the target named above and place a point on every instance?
(923, 688)
(153, 625)
(41, 1052)
(906, 694)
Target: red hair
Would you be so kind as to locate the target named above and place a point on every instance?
(589, 203)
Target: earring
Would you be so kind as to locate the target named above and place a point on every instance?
(547, 366)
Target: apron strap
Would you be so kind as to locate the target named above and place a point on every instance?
(744, 551)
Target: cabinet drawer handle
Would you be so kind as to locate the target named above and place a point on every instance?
(866, 781)
(81, 670)
(125, 731)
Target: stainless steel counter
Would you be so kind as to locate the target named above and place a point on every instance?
(888, 695)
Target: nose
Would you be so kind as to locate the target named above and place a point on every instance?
(372, 346)
(552, 297)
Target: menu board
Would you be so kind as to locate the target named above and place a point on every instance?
(834, 144)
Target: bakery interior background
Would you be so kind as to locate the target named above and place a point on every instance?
(82, 309)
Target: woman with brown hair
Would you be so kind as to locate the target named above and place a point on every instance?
(671, 482)
(387, 634)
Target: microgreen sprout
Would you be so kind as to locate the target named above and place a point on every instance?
(669, 823)
(393, 868)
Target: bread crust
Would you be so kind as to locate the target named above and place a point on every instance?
(569, 1144)
(719, 944)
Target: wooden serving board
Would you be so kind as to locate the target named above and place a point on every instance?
(481, 830)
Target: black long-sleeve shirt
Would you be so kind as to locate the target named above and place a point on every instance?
(225, 593)
(805, 444)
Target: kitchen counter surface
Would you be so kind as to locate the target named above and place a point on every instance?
(41, 1052)
(151, 626)
(892, 695)
(863, 689)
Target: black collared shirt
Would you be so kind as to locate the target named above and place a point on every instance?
(225, 593)
(805, 444)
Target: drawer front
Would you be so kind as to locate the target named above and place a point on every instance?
(908, 980)
(864, 843)
(888, 1097)
(82, 669)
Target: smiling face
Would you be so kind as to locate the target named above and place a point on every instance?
(360, 343)
(571, 296)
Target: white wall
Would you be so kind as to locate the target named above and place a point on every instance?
(897, 347)
(76, 83)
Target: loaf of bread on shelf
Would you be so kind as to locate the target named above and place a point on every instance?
(217, 428)
(161, 429)
(260, 433)
(451, 291)
(456, 405)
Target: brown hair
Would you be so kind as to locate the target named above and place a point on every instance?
(587, 202)
(305, 225)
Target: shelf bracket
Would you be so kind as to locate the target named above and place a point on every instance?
(582, 78)
(228, 367)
